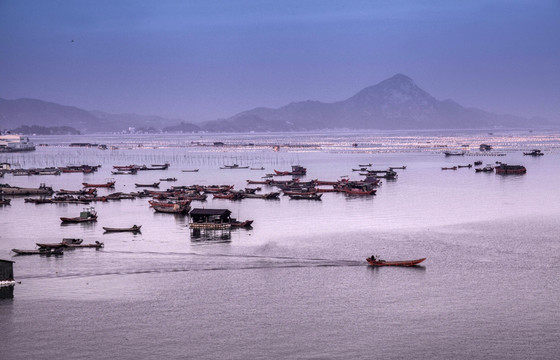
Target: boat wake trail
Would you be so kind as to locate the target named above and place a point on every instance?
(193, 262)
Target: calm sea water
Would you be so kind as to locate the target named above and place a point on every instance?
(296, 285)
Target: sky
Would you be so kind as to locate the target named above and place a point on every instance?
(207, 59)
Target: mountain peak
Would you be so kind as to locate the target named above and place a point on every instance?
(397, 89)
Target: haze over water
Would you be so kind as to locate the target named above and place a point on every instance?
(297, 284)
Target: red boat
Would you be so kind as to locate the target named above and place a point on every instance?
(372, 261)
(296, 170)
(109, 184)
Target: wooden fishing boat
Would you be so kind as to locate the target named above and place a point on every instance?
(14, 190)
(5, 202)
(125, 172)
(154, 185)
(109, 184)
(255, 182)
(464, 166)
(91, 191)
(534, 152)
(365, 165)
(87, 215)
(449, 168)
(229, 196)
(356, 191)
(96, 245)
(296, 170)
(478, 163)
(398, 167)
(232, 167)
(40, 251)
(269, 196)
(485, 169)
(241, 224)
(38, 201)
(311, 196)
(168, 179)
(134, 228)
(190, 170)
(372, 261)
(454, 153)
(154, 167)
(176, 209)
(506, 169)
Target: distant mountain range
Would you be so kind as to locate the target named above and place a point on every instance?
(394, 104)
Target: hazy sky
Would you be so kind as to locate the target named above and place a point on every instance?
(201, 60)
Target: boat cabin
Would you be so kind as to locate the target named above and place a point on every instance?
(5, 166)
(210, 215)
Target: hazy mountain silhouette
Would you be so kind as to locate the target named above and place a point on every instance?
(393, 104)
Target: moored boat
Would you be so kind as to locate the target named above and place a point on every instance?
(87, 215)
(307, 196)
(108, 184)
(96, 245)
(505, 169)
(296, 170)
(372, 261)
(534, 152)
(134, 228)
(40, 251)
(154, 185)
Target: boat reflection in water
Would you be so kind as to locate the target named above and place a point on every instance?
(6, 292)
(210, 235)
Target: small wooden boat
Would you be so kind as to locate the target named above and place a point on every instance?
(464, 166)
(175, 209)
(154, 167)
(372, 261)
(5, 201)
(534, 152)
(306, 196)
(356, 191)
(241, 224)
(40, 251)
(255, 182)
(485, 169)
(449, 168)
(168, 179)
(88, 215)
(97, 245)
(478, 163)
(125, 172)
(261, 168)
(134, 228)
(190, 170)
(398, 167)
(229, 196)
(108, 184)
(454, 153)
(154, 185)
(234, 166)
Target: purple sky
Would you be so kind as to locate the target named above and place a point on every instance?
(201, 60)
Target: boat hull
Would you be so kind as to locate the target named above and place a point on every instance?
(377, 263)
